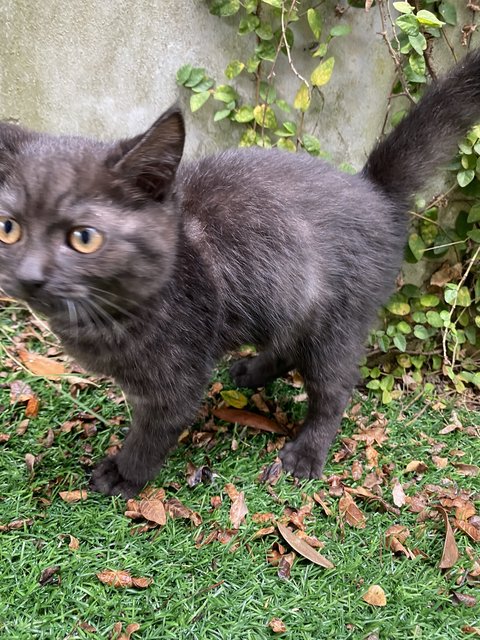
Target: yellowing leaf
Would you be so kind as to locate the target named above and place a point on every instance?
(375, 596)
(234, 398)
(302, 99)
(265, 116)
(322, 74)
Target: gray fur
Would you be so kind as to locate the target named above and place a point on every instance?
(266, 247)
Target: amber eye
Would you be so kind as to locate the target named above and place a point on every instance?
(10, 231)
(85, 239)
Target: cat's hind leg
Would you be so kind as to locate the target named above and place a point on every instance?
(328, 364)
(257, 371)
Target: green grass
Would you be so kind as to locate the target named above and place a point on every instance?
(212, 592)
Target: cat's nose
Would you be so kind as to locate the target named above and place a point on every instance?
(31, 286)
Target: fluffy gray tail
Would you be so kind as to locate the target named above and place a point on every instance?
(427, 137)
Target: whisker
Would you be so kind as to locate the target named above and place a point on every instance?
(108, 293)
(101, 313)
(113, 305)
(72, 316)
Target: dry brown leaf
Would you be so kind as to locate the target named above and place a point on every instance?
(260, 403)
(41, 365)
(49, 575)
(73, 496)
(352, 514)
(473, 630)
(74, 543)
(311, 540)
(285, 565)
(320, 500)
(263, 517)
(395, 536)
(22, 427)
(265, 531)
(440, 463)
(127, 634)
(238, 510)
(4, 437)
(16, 524)
(375, 596)
(416, 466)
(20, 392)
(176, 509)
(271, 473)
(216, 502)
(471, 531)
(277, 625)
(398, 494)
(450, 550)
(153, 510)
(466, 469)
(30, 460)
(303, 548)
(357, 470)
(446, 273)
(231, 491)
(464, 599)
(248, 419)
(366, 494)
(371, 455)
(33, 405)
(122, 579)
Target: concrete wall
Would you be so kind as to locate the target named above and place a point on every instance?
(107, 68)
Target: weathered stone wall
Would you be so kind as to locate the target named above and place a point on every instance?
(107, 68)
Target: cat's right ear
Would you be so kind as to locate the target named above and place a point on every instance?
(149, 161)
(12, 137)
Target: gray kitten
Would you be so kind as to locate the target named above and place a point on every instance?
(149, 271)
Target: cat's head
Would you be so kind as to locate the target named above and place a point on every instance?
(87, 228)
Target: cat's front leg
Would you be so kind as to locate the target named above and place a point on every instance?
(155, 429)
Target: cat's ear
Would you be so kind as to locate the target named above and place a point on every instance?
(149, 161)
(12, 137)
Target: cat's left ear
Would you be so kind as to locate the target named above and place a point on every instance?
(149, 161)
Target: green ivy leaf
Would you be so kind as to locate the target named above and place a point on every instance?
(474, 235)
(321, 50)
(448, 12)
(322, 74)
(264, 32)
(183, 74)
(244, 114)
(274, 3)
(248, 24)
(400, 342)
(408, 24)
(404, 327)
(428, 19)
(340, 30)
(266, 51)
(403, 7)
(302, 99)
(417, 64)
(248, 139)
(265, 116)
(474, 214)
(284, 106)
(196, 76)
(225, 93)
(315, 22)
(221, 115)
(234, 398)
(429, 300)
(198, 100)
(416, 245)
(418, 42)
(311, 144)
(398, 308)
(234, 68)
(224, 8)
(465, 177)
(434, 319)
(420, 332)
(287, 145)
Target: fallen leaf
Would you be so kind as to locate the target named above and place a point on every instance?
(41, 365)
(30, 460)
(260, 403)
(366, 494)
(318, 498)
(73, 496)
(395, 536)
(263, 517)
(303, 548)
(234, 398)
(357, 470)
(265, 531)
(352, 514)
(231, 491)
(473, 630)
(471, 531)
(33, 405)
(416, 466)
(4, 437)
(277, 625)
(196, 475)
(375, 596)
(216, 502)
(17, 524)
(238, 510)
(22, 427)
(89, 628)
(440, 463)
(20, 392)
(466, 469)
(271, 473)
(371, 455)
(153, 510)
(398, 493)
(49, 576)
(285, 565)
(176, 509)
(450, 551)
(464, 599)
(248, 419)
(127, 634)
(74, 543)
(122, 579)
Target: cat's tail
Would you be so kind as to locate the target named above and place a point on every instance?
(427, 137)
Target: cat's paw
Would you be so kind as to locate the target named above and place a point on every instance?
(299, 460)
(245, 373)
(107, 478)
